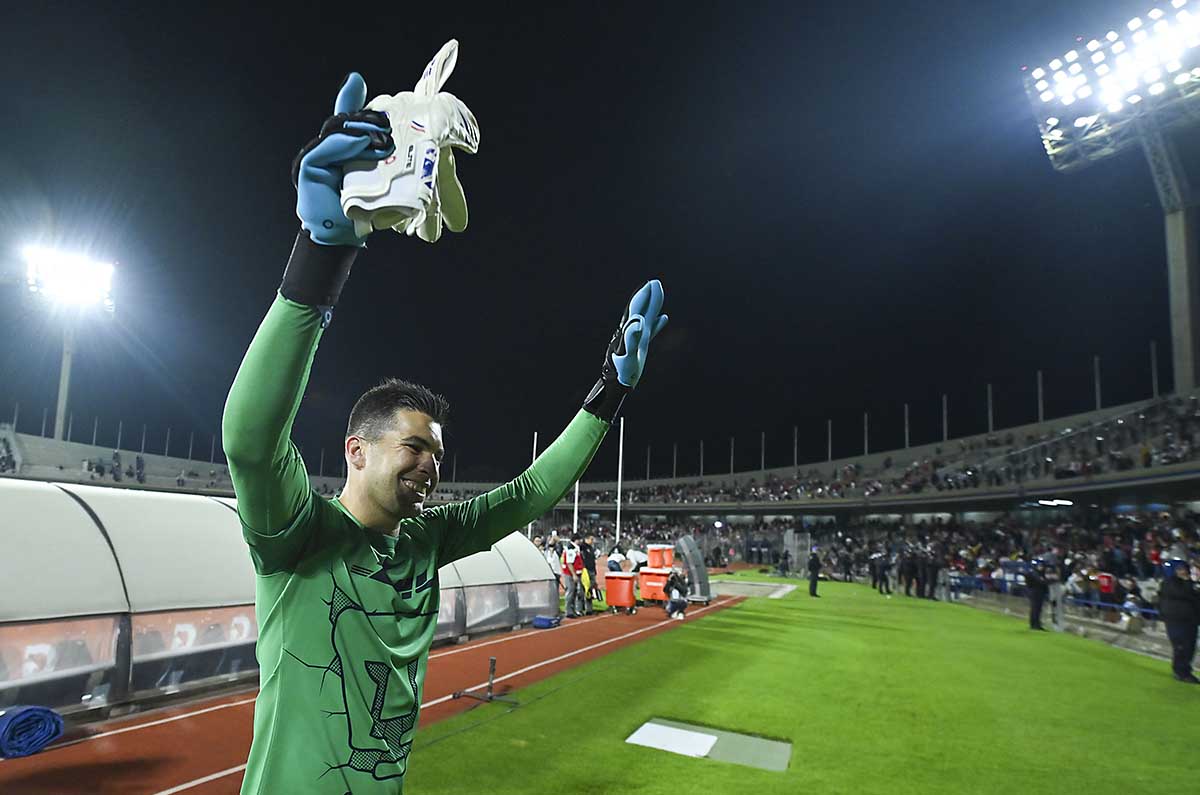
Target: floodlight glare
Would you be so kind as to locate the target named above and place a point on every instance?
(66, 278)
(1106, 83)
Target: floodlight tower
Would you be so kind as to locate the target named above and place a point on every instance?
(75, 283)
(1138, 85)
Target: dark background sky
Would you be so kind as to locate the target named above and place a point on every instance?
(848, 205)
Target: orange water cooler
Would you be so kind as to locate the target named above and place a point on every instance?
(618, 591)
(652, 583)
(661, 556)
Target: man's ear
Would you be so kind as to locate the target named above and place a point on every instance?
(356, 452)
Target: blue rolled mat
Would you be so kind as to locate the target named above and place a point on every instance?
(27, 730)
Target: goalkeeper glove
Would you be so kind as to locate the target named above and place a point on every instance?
(327, 243)
(626, 355)
(417, 191)
(318, 171)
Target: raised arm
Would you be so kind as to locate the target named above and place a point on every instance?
(268, 474)
(475, 525)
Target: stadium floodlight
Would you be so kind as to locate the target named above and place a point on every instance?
(71, 281)
(1134, 64)
(1137, 85)
(66, 278)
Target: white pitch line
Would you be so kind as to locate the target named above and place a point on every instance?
(568, 655)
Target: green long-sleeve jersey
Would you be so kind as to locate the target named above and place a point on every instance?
(346, 614)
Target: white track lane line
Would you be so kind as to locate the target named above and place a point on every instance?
(518, 636)
(213, 777)
(568, 655)
(181, 716)
(151, 723)
(205, 780)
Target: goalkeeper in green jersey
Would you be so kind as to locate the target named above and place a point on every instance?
(347, 589)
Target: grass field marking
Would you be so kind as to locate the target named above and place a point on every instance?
(516, 636)
(203, 780)
(570, 654)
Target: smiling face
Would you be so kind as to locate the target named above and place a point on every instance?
(397, 471)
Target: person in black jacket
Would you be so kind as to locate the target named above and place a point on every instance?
(814, 573)
(883, 566)
(1179, 606)
(588, 550)
(908, 571)
(676, 589)
(1038, 587)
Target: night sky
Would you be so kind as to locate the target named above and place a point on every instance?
(848, 205)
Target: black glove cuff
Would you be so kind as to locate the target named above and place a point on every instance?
(605, 399)
(315, 274)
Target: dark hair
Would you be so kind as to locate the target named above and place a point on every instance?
(378, 406)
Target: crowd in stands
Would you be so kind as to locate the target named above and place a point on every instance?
(1163, 433)
(112, 469)
(8, 462)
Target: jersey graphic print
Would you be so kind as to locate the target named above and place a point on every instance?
(380, 708)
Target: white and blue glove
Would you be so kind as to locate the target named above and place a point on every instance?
(626, 355)
(351, 134)
(327, 243)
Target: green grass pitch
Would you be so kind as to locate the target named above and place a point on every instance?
(876, 695)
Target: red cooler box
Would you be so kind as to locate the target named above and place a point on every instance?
(652, 584)
(661, 556)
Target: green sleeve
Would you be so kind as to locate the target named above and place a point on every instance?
(273, 492)
(475, 525)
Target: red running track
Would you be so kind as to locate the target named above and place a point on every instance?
(200, 747)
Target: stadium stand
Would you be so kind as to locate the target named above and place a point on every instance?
(1154, 438)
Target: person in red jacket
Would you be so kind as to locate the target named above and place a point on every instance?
(572, 574)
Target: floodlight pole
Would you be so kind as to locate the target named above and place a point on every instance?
(529, 527)
(64, 378)
(1179, 204)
